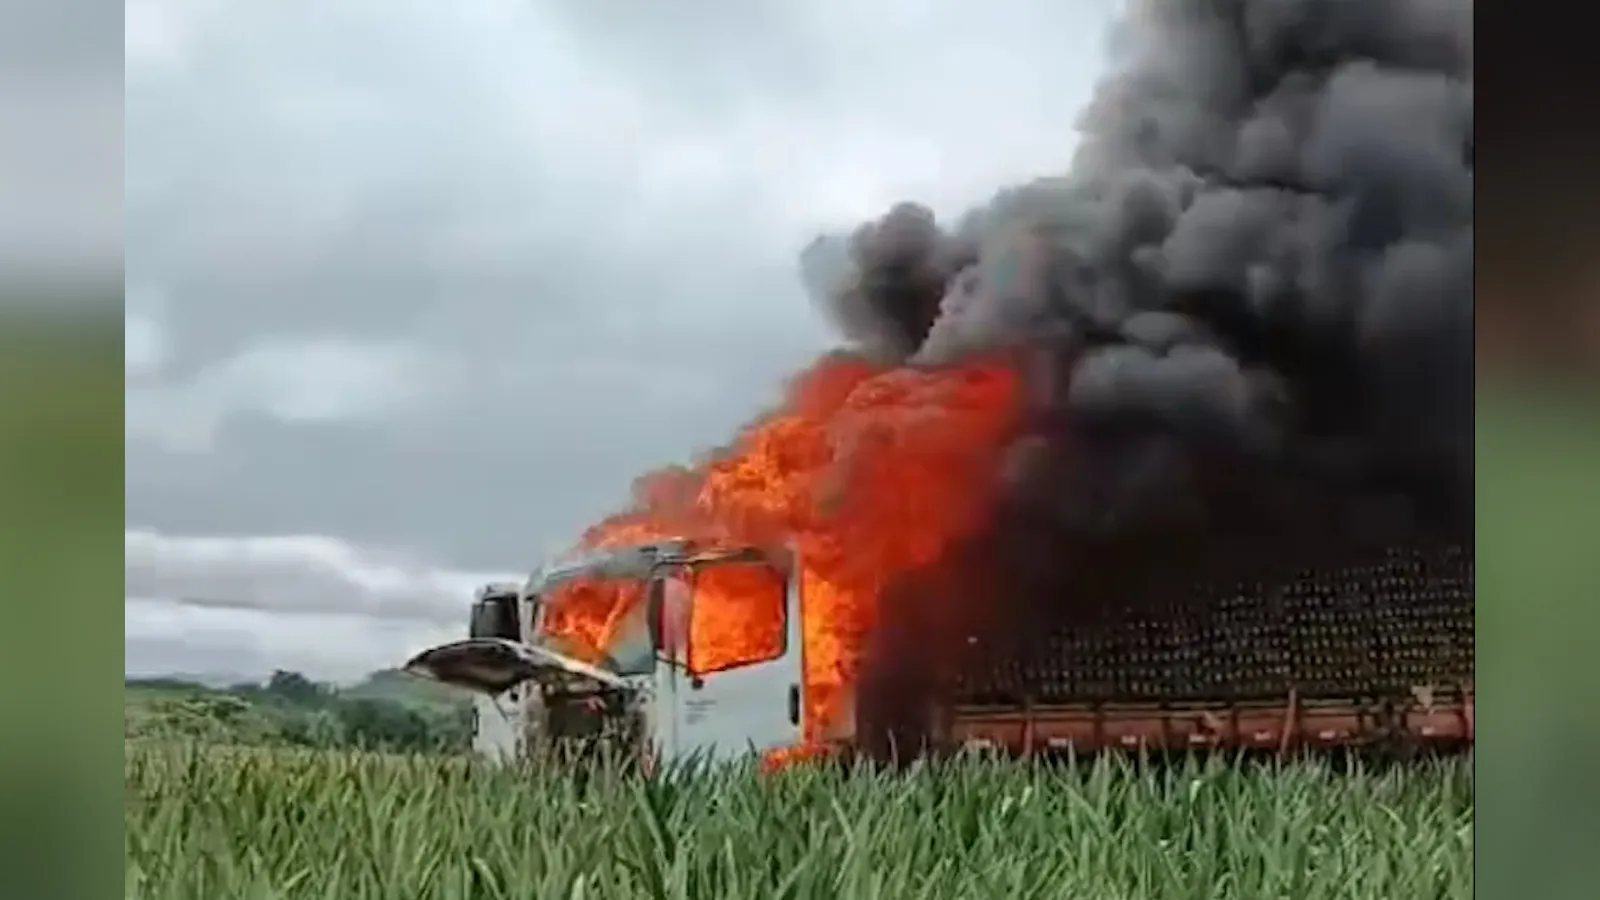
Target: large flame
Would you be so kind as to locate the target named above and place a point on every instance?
(586, 615)
(870, 472)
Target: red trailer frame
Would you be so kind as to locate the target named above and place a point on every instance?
(1434, 717)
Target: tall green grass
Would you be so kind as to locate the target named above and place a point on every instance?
(210, 823)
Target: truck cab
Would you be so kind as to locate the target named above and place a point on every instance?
(679, 650)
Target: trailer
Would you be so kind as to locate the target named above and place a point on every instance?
(1373, 649)
(1262, 646)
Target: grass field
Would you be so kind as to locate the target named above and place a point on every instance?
(209, 822)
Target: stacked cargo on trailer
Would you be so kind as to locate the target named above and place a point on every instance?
(1377, 647)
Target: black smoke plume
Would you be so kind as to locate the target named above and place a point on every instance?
(1245, 306)
(1260, 254)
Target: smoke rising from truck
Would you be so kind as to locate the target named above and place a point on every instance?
(1253, 277)
(1263, 244)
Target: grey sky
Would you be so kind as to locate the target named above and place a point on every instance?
(61, 161)
(415, 289)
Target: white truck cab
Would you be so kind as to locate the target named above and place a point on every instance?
(702, 659)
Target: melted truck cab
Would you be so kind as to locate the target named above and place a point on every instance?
(1343, 646)
(664, 683)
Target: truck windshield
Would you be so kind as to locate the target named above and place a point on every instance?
(601, 621)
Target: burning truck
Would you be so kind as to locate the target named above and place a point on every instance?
(710, 662)
(1174, 449)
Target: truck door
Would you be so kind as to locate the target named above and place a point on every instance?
(731, 678)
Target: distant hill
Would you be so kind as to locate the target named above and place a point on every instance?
(212, 680)
(388, 707)
(166, 683)
(384, 684)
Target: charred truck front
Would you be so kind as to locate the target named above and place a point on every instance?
(596, 652)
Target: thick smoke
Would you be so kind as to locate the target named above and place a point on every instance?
(1244, 312)
(1259, 257)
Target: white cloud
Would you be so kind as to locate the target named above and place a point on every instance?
(167, 637)
(298, 574)
(320, 379)
(292, 380)
(144, 346)
(243, 606)
(462, 96)
(158, 33)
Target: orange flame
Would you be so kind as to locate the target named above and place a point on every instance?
(796, 757)
(716, 640)
(585, 615)
(870, 472)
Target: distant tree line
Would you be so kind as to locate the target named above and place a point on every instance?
(291, 709)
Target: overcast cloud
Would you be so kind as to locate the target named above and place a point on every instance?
(415, 289)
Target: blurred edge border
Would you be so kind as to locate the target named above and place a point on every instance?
(61, 273)
(1538, 475)
(1538, 459)
(61, 395)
